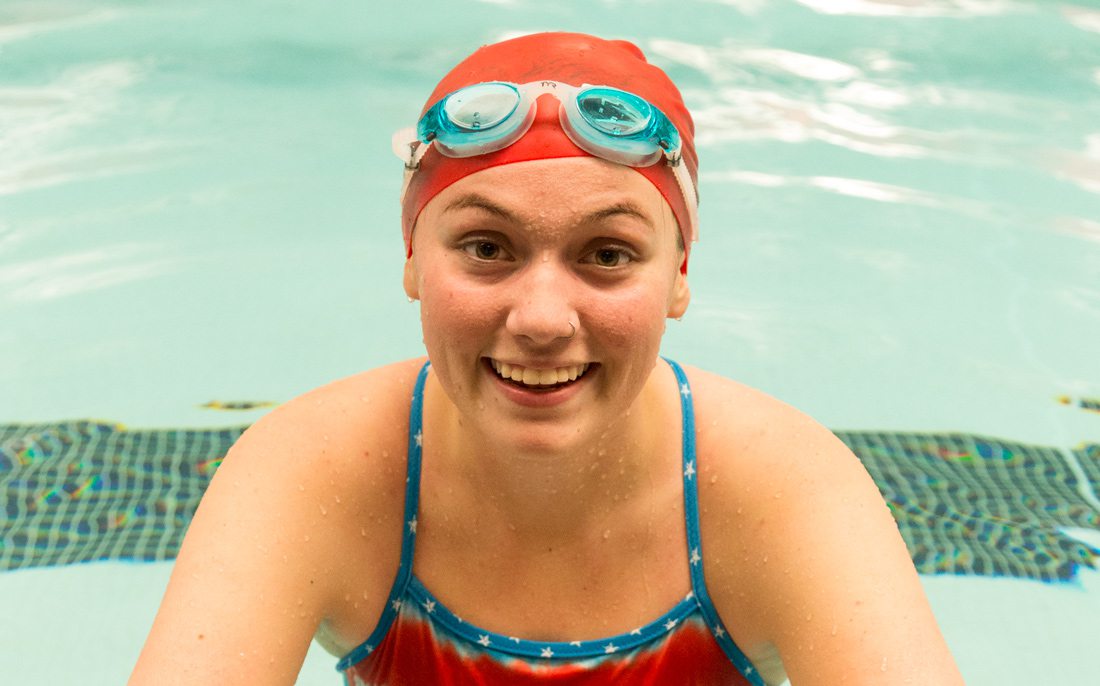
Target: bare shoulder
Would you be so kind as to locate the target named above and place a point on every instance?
(802, 557)
(301, 511)
(356, 423)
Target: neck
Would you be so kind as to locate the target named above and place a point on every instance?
(548, 496)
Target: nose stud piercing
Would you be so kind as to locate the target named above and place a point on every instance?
(572, 330)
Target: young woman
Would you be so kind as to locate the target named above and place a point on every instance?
(546, 500)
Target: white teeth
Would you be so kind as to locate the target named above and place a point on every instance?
(539, 377)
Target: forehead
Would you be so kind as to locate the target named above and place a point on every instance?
(557, 190)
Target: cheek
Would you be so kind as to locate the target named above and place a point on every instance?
(631, 318)
(450, 311)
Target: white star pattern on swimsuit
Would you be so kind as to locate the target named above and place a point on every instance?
(543, 658)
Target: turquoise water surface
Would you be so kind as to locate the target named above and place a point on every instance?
(900, 234)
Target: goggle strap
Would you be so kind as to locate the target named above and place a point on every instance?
(410, 150)
(691, 199)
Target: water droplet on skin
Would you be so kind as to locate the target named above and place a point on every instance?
(347, 598)
(306, 537)
(365, 597)
(325, 437)
(362, 532)
(324, 512)
(765, 558)
(364, 399)
(884, 664)
(607, 534)
(337, 498)
(714, 479)
(833, 632)
(385, 453)
(301, 487)
(779, 494)
(809, 617)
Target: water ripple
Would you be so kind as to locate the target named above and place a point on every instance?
(1081, 17)
(1077, 227)
(38, 121)
(1079, 167)
(914, 8)
(49, 19)
(79, 272)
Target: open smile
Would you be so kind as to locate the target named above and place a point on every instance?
(539, 379)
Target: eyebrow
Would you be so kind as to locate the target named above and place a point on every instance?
(480, 202)
(626, 208)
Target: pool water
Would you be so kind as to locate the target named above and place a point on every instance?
(900, 234)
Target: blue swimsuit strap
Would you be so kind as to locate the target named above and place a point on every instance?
(408, 540)
(691, 513)
(694, 539)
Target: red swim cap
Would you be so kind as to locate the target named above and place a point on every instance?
(575, 59)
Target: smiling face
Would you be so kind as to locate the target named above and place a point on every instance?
(544, 289)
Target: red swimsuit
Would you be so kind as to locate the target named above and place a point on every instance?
(419, 642)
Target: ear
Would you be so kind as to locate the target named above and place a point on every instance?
(411, 279)
(681, 296)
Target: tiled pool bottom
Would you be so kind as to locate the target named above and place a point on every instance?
(1007, 534)
(86, 624)
(83, 491)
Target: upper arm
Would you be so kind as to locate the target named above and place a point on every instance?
(266, 556)
(819, 568)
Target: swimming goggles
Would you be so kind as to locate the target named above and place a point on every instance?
(606, 122)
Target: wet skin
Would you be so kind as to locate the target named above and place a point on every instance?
(506, 260)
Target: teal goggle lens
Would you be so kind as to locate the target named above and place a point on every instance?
(615, 112)
(480, 107)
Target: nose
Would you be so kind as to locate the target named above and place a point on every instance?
(542, 310)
